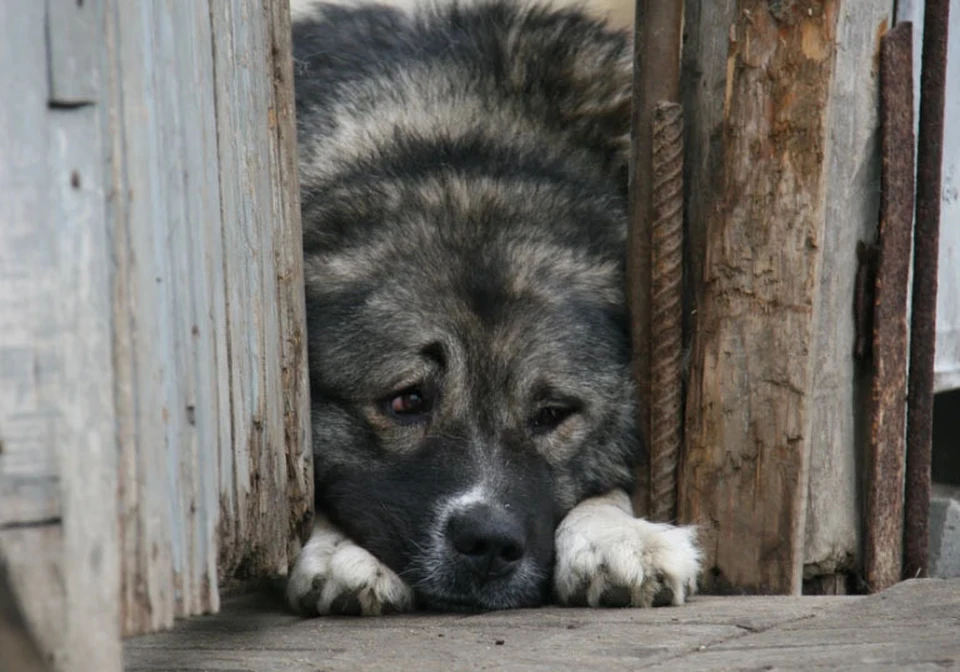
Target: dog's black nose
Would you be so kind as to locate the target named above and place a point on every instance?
(491, 542)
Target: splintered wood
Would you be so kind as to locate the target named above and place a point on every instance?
(215, 479)
(757, 227)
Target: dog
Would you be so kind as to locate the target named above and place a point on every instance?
(463, 172)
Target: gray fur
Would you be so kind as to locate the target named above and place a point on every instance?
(464, 209)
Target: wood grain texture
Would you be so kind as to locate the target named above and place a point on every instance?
(74, 51)
(167, 396)
(290, 294)
(264, 307)
(208, 303)
(839, 389)
(947, 350)
(759, 228)
(57, 455)
(912, 627)
(149, 182)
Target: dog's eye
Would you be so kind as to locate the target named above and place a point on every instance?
(549, 418)
(409, 405)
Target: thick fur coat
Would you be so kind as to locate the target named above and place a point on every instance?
(463, 176)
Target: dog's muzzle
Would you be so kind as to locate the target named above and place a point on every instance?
(483, 554)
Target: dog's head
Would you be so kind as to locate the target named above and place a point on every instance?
(464, 208)
(470, 378)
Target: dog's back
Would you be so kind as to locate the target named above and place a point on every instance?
(520, 83)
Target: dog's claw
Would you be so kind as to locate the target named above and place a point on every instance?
(606, 557)
(333, 575)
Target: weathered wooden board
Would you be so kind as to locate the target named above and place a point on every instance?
(261, 237)
(57, 450)
(168, 398)
(211, 384)
(757, 238)
(153, 387)
(838, 391)
(823, 391)
(912, 626)
(290, 296)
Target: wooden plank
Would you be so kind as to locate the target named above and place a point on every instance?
(290, 288)
(851, 203)
(760, 234)
(170, 354)
(839, 392)
(947, 365)
(267, 468)
(241, 106)
(209, 411)
(29, 472)
(912, 626)
(57, 464)
(86, 439)
(167, 243)
(142, 335)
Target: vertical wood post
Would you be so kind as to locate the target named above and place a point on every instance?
(58, 506)
(759, 230)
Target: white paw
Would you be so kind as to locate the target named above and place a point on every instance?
(606, 557)
(333, 575)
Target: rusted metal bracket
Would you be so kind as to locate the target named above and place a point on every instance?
(883, 538)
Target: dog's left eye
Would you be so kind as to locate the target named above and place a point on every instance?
(410, 405)
(549, 418)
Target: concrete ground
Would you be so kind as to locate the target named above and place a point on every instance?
(912, 626)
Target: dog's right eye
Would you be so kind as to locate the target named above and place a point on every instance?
(549, 418)
(408, 406)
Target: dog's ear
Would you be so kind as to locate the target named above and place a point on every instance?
(601, 101)
(584, 68)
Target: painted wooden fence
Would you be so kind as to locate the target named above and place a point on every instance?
(154, 425)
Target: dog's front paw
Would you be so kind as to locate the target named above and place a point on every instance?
(333, 575)
(608, 558)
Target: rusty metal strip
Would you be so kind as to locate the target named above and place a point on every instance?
(666, 299)
(883, 539)
(656, 78)
(924, 312)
